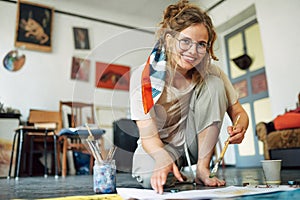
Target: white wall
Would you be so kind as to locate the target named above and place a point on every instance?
(45, 79)
(279, 25)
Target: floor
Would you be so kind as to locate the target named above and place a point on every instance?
(40, 187)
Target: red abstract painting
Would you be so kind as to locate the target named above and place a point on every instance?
(112, 76)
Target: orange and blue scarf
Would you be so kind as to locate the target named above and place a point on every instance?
(153, 77)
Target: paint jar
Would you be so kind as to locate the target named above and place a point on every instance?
(104, 177)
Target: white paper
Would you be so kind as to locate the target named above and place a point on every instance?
(226, 192)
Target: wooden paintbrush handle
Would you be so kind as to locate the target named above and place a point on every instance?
(89, 130)
(236, 121)
(224, 149)
(227, 141)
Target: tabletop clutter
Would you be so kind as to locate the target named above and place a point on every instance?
(104, 170)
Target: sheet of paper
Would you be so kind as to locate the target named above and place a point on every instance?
(226, 192)
(90, 197)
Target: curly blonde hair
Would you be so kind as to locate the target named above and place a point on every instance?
(182, 15)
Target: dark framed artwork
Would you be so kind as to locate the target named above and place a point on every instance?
(34, 26)
(81, 38)
(112, 76)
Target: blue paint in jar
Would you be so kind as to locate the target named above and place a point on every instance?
(104, 177)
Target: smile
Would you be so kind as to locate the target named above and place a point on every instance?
(188, 59)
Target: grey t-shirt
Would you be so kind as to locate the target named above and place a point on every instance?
(170, 111)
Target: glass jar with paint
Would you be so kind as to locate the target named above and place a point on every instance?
(104, 177)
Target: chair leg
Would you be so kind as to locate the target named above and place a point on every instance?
(30, 155)
(91, 164)
(12, 155)
(58, 151)
(64, 159)
(45, 155)
(55, 156)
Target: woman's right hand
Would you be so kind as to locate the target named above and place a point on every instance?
(153, 145)
(160, 174)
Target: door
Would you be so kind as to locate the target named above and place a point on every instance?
(246, 71)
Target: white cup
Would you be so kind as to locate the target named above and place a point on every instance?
(271, 170)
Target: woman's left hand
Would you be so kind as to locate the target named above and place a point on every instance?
(236, 133)
(240, 117)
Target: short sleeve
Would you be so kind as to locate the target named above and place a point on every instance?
(231, 93)
(136, 103)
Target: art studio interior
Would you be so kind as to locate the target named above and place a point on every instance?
(65, 89)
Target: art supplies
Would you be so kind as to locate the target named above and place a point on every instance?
(94, 146)
(104, 177)
(104, 170)
(215, 169)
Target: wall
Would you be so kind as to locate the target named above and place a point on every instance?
(44, 80)
(280, 37)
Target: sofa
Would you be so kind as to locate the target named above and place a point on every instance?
(281, 144)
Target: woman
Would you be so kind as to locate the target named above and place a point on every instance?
(178, 99)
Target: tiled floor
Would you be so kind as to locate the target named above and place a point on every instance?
(40, 187)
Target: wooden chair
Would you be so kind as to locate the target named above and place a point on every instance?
(76, 114)
(46, 125)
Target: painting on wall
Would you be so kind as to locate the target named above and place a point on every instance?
(112, 76)
(34, 26)
(81, 38)
(80, 69)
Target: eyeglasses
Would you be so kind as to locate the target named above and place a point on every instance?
(186, 43)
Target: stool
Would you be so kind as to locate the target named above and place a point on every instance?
(21, 132)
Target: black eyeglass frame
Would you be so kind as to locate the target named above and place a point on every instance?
(199, 45)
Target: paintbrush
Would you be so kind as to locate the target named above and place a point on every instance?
(111, 154)
(93, 147)
(90, 137)
(215, 169)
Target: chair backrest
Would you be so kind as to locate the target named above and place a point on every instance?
(74, 114)
(44, 118)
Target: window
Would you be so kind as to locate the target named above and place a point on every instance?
(246, 69)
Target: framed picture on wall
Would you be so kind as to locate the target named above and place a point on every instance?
(81, 38)
(112, 76)
(34, 26)
(80, 69)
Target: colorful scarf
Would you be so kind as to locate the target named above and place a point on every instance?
(153, 77)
